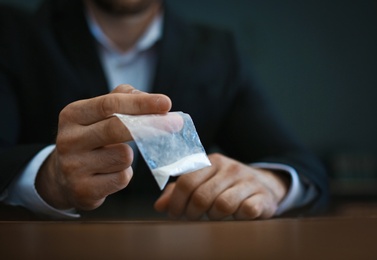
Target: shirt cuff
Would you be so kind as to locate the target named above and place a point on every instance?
(22, 191)
(296, 189)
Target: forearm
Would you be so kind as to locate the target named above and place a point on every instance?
(22, 191)
(300, 192)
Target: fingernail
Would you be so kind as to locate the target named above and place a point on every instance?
(135, 91)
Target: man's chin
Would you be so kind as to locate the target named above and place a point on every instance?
(124, 7)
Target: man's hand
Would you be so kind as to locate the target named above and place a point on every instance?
(91, 159)
(228, 188)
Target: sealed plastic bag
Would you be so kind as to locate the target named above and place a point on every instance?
(168, 143)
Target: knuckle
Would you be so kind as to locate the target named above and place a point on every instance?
(140, 105)
(185, 184)
(124, 155)
(63, 143)
(108, 105)
(253, 211)
(122, 179)
(114, 183)
(68, 166)
(235, 168)
(113, 128)
(66, 140)
(65, 114)
(200, 200)
(85, 198)
(216, 157)
(117, 158)
(224, 206)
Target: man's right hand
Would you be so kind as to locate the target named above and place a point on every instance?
(91, 160)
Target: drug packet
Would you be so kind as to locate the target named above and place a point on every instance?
(168, 143)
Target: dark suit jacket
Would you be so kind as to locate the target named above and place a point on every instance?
(198, 68)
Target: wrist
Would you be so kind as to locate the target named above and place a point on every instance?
(47, 184)
(278, 181)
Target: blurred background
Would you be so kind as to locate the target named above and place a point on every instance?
(317, 60)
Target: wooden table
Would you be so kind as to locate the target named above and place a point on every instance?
(349, 236)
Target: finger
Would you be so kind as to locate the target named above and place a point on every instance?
(108, 159)
(91, 194)
(89, 111)
(113, 182)
(185, 186)
(204, 196)
(227, 203)
(104, 160)
(106, 132)
(162, 203)
(256, 206)
(112, 131)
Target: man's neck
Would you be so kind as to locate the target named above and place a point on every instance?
(123, 31)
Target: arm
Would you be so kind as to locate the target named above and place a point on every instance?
(91, 159)
(249, 131)
(22, 191)
(227, 188)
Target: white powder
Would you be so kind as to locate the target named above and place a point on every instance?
(187, 164)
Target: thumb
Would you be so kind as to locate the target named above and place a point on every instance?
(162, 203)
(127, 89)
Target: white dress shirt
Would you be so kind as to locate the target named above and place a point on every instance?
(135, 67)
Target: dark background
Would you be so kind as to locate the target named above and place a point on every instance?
(317, 60)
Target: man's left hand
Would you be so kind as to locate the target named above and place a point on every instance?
(226, 189)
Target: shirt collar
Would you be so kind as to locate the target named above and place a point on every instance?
(146, 41)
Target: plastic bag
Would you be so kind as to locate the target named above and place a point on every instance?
(168, 143)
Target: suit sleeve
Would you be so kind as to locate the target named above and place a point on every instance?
(254, 132)
(13, 155)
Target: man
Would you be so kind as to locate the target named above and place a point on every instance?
(79, 48)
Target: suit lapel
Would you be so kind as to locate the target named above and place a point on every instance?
(79, 47)
(170, 52)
